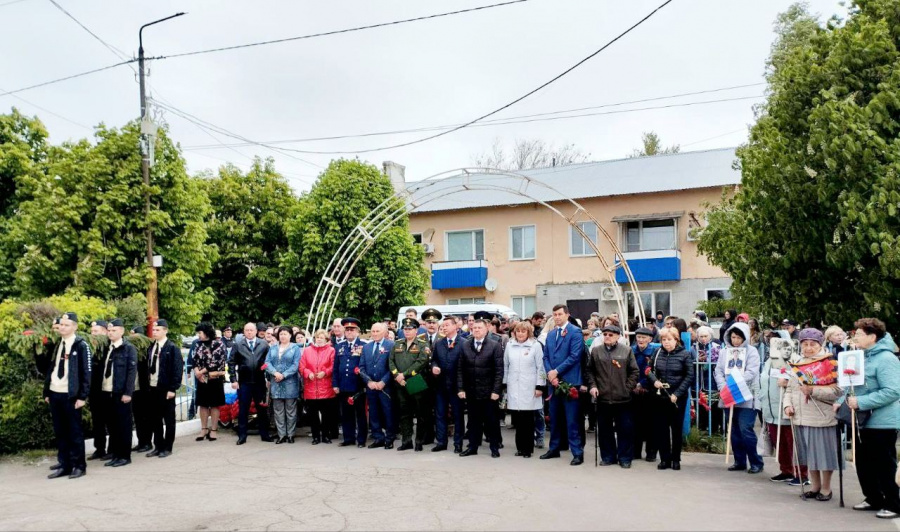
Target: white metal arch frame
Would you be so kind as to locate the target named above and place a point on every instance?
(440, 186)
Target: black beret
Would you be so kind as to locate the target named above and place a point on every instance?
(645, 331)
(227, 328)
(260, 326)
(410, 323)
(350, 321)
(611, 329)
(116, 322)
(162, 323)
(70, 316)
(432, 314)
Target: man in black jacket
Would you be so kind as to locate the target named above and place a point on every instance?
(141, 402)
(117, 378)
(480, 381)
(166, 369)
(446, 353)
(66, 388)
(100, 414)
(249, 379)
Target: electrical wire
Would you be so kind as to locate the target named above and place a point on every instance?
(118, 53)
(66, 78)
(48, 111)
(337, 32)
(11, 3)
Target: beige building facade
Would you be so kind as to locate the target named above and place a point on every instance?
(498, 247)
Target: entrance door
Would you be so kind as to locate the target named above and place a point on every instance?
(582, 309)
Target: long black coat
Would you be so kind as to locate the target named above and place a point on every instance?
(245, 365)
(480, 373)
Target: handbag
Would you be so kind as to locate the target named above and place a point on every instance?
(416, 384)
(844, 414)
(764, 445)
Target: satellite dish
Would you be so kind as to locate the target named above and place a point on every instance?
(490, 284)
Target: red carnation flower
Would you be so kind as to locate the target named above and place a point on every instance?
(356, 370)
(546, 419)
(264, 366)
(350, 401)
(647, 371)
(44, 340)
(849, 371)
(573, 393)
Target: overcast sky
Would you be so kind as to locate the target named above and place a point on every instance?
(429, 73)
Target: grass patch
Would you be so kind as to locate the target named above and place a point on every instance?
(30, 457)
(698, 441)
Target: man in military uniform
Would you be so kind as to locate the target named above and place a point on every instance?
(117, 378)
(409, 360)
(347, 384)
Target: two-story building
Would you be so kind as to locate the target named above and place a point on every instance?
(498, 247)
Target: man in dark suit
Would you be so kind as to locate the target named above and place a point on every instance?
(166, 369)
(101, 424)
(66, 388)
(249, 379)
(347, 384)
(444, 363)
(117, 378)
(480, 381)
(141, 403)
(562, 361)
(375, 373)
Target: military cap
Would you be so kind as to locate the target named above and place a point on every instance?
(644, 331)
(100, 323)
(137, 329)
(162, 323)
(227, 328)
(56, 321)
(116, 322)
(350, 321)
(483, 315)
(69, 316)
(432, 314)
(410, 323)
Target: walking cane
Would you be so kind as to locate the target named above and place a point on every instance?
(796, 459)
(840, 462)
(728, 439)
(780, 412)
(596, 433)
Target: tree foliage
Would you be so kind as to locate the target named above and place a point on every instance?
(250, 211)
(652, 145)
(813, 230)
(529, 153)
(389, 275)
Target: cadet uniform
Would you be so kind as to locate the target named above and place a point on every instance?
(117, 379)
(346, 379)
(411, 359)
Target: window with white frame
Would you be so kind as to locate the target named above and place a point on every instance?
(522, 242)
(465, 301)
(524, 306)
(717, 293)
(465, 245)
(652, 302)
(579, 246)
(650, 235)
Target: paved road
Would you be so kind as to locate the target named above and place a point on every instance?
(219, 486)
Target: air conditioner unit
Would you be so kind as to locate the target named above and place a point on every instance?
(428, 247)
(610, 293)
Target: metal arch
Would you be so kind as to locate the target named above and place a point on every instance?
(457, 181)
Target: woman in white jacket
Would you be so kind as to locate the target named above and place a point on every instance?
(523, 374)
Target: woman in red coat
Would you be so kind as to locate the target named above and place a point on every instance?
(316, 366)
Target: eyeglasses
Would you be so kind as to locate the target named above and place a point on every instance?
(609, 334)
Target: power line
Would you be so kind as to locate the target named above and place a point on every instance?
(502, 121)
(48, 111)
(66, 78)
(11, 3)
(743, 129)
(118, 53)
(506, 106)
(337, 32)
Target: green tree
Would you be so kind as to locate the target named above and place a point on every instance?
(389, 275)
(813, 230)
(80, 224)
(652, 145)
(250, 211)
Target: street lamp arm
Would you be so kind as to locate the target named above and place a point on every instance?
(141, 31)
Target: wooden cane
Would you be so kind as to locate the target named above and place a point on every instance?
(780, 413)
(797, 459)
(853, 434)
(840, 462)
(728, 440)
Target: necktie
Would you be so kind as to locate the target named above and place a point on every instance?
(153, 358)
(478, 346)
(377, 348)
(559, 333)
(61, 371)
(108, 371)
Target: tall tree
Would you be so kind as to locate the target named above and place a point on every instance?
(652, 145)
(80, 224)
(813, 230)
(389, 275)
(250, 211)
(529, 153)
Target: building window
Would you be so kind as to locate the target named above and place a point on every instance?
(653, 302)
(465, 301)
(522, 242)
(417, 238)
(524, 306)
(650, 235)
(465, 245)
(718, 293)
(579, 246)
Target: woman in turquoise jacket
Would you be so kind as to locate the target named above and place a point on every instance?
(876, 441)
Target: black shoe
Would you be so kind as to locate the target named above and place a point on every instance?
(419, 447)
(360, 445)
(469, 452)
(59, 473)
(457, 449)
(165, 454)
(625, 465)
(316, 441)
(501, 445)
(438, 448)
(663, 465)
(578, 460)
(143, 448)
(345, 444)
(77, 473)
(326, 440)
(605, 463)
(676, 466)
(650, 458)
(389, 445)
(56, 466)
(736, 467)
(809, 495)
(111, 462)
(202, 436)
(152, 454)
(121, 462)
(108, 456)
(495, 453)
(550, 454)
(755, 470)
(279, 441)
(405, 446)
(518, 453)
(376, 444)
(97, 455)
(822, 497)
(290, 439)
(268, 439)
(782, 477)
(242, 440)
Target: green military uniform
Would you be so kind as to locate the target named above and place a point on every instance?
(411, 359)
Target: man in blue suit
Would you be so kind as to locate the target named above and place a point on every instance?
(562, 361)
(373, 368)
(444, 362)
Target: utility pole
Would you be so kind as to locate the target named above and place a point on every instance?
(152, 289)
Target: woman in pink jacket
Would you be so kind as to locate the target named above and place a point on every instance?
(316, 366)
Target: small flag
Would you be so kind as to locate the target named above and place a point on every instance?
(736, 390)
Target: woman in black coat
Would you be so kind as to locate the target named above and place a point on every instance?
(671, 371)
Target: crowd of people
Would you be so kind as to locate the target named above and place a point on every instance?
(459, 377)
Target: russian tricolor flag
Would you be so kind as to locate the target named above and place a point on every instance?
(736, 390)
